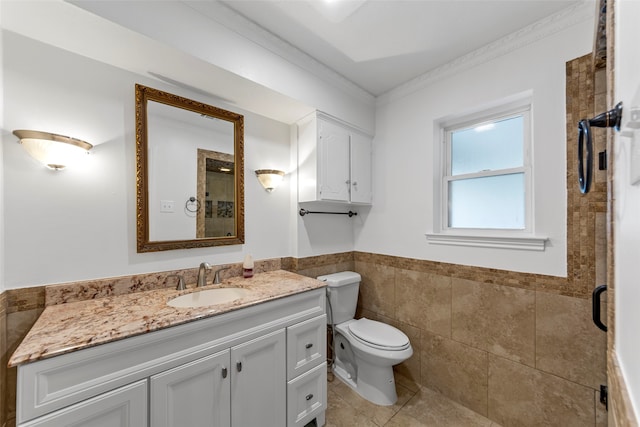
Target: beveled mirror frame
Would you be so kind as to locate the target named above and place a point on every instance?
(143, 95)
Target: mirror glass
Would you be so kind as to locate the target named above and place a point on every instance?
(189, 173)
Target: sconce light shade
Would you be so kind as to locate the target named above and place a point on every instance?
(269, 178)
(54, 151)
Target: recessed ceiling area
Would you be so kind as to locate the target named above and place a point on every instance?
(380, 44)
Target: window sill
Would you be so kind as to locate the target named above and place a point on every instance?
(502, 242)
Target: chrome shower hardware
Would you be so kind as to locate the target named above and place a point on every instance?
(608, 119)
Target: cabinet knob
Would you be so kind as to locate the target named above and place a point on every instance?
(309, 396)
(239, 366)
(224, 372)
(309, 345)
(355, 183)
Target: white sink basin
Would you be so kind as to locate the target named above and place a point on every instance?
(208, 297)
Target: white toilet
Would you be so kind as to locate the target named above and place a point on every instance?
(364, 350)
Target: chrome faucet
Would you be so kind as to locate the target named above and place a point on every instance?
(180, 286)
(216, 276)
(202, 274)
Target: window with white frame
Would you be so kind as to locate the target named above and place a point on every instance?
(485, 190)
(486, 173)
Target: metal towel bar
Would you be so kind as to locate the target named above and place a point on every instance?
(304, 212)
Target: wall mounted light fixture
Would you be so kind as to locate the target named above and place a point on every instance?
(269, 178)
(54, 151)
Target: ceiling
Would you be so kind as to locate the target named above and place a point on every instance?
(381, 44)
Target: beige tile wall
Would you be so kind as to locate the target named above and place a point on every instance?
(496, 348)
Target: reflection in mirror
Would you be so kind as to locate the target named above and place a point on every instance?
(216, 188)
(190, 173)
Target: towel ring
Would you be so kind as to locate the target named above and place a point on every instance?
(188, 205)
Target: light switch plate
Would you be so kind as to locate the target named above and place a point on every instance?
(167, 206)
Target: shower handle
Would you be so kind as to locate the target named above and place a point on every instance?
(596, 302)
(584, 174)
(608, 119)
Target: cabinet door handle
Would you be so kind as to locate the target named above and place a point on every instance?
(309, 345)
(309, 396)
(224, 372)
(239, 366)
(355, 183)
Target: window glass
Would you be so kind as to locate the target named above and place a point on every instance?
(488, 146)
(496, 202)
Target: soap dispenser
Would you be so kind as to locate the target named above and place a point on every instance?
(247, 267)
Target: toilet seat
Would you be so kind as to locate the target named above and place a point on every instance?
(378, 335)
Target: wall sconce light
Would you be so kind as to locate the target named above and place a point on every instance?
(270, 178)
(54, 151)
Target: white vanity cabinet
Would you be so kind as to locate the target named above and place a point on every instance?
(244, 384)
(225, 370)
(191, 393)
(334, 161)
(258, 388)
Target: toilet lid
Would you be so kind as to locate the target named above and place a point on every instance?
(378, 334)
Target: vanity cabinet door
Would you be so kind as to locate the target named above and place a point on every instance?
(196, 394)
(122, 407)
(258, 382)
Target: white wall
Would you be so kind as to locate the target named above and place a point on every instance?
(200, 29)
(404, 154)
(627, 197)
(80, 223)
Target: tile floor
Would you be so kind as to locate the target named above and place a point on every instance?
(416, 407)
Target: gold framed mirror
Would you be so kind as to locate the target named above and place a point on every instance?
(189, 173)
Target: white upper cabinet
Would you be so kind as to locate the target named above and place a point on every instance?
(334, 161)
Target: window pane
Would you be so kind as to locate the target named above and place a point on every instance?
(487, 202)
(491, 146)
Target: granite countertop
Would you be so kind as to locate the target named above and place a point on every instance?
(69, 327)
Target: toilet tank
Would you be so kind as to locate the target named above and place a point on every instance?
(342, 295)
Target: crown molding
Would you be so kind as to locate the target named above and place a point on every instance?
(532, 33)
(236, 22)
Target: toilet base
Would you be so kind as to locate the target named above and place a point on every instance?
(375, 384)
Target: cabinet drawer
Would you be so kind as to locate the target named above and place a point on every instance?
(307, 396)
(125, 406)
(306, 345)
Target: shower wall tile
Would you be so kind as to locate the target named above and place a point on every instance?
(601, 248)
(455, 370)
(523, 396)
(424, 300)
(497, 319)
(568, 344)
(377, 290)
(602, 416)
(4, 357)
